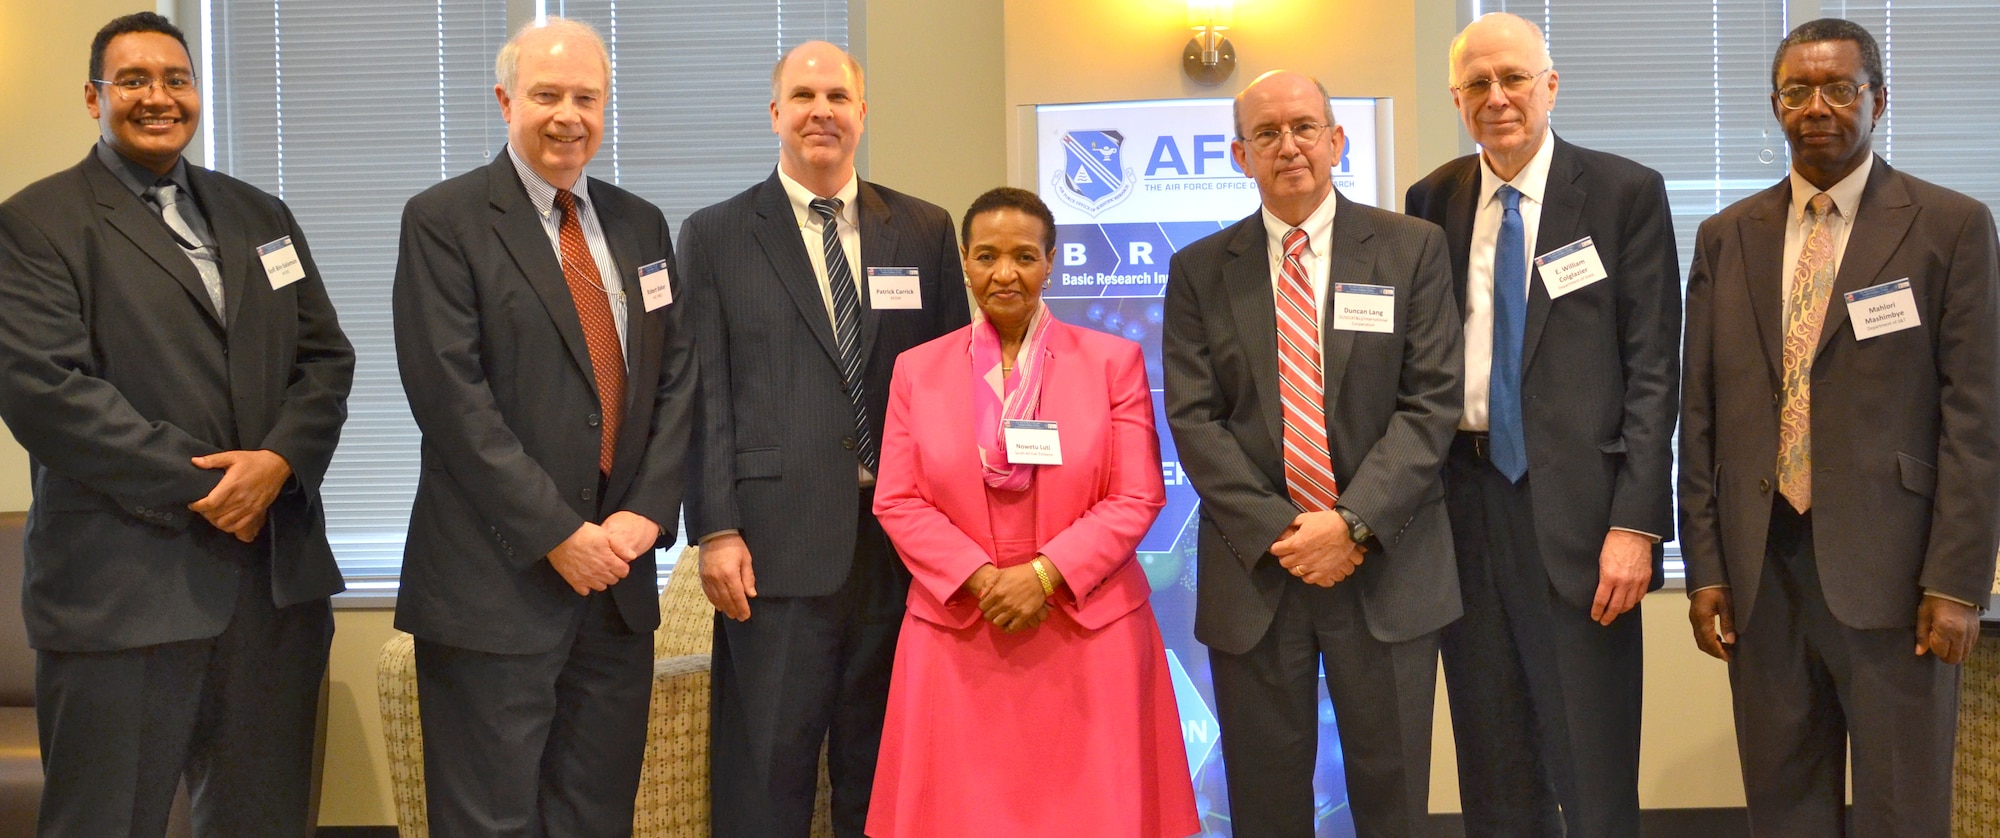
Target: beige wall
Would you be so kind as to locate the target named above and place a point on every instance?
(944, 82)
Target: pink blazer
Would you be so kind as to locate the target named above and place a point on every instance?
(1090, 512)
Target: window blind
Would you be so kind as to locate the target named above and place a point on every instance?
(346, 110)
(1941, 124)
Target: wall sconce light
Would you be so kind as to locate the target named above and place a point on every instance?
(1208, 57)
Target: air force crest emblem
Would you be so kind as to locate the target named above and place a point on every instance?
(1093, 176)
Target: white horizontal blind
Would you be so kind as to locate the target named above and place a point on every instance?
(1682, 86)
(688, 123)
(345, 110)
(1942, 123)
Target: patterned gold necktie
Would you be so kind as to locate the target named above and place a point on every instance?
(1805, 311)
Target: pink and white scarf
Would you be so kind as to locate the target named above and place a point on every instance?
(1003, 397)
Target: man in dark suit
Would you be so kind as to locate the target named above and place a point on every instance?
(180, 400)
(790, 285)
(548, 367)
(1840, 502)
(1558, 484)
(1312, 373)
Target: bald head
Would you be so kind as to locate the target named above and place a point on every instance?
(817, 53)
(1294, 173)
(1273, 83)
(1505, 86)
(1498, 28)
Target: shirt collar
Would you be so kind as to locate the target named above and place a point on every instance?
(139, 178)
(1846, 194)
(1318, 227)
(1533, 179)
(802, 199)
(541, 193)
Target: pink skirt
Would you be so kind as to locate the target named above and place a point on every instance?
(1057, 730)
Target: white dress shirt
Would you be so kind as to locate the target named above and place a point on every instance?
(542, 195)
(813, 233)
(1532, 182)
(1846, 197)
(1319, 243)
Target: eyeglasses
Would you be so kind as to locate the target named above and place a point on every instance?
(1512, 84)
(1303, 133)
(1839, 94)
(139, 87)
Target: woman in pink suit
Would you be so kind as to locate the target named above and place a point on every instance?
(1031, 694)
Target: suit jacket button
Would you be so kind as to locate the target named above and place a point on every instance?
(1763, 487)
(847, 443)
(587, 494)
(595, 420)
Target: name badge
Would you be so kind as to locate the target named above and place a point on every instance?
(1570, 267)
(656, 285)
(894, 288)
(1885, 308)
(1032, 443)
(1364, 308)
(281, 262)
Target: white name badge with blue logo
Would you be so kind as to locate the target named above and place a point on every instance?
(656, 285)
(281, 262)
(894, 288)
(1032, 443)
(1570, 267)
(1364, 308)
(1885, 308)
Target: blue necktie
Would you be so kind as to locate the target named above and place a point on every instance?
(1510, 317)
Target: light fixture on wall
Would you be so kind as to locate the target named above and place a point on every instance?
(1208, 57)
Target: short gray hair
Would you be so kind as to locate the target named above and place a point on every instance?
(853, 66)
(506, 66)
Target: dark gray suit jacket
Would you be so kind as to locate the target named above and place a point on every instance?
(115, 371)
(498, 375)
(1905, 446)
(1600, 366)
(1392, 403)
(774, 439)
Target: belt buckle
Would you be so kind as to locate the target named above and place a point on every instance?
(1482, 446)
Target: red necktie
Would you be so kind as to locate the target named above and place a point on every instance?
(600, 332)
(1308, 468)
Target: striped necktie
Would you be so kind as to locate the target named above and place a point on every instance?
(846, 326)
(1308, 467)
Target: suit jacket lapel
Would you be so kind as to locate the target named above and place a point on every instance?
(641, 356)
(129, 213)
(1246, 282)
(1459, 212)
(1348, 261)
(231, 243)
(1887, 212)
(1762, 232)
(1562, 223)
(777, 232)
(1052, 506)
(520, 230)
(878, 248)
